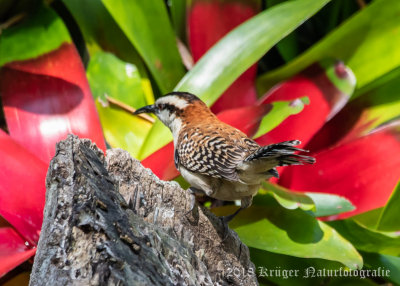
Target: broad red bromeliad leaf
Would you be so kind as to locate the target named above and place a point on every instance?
(162, 163)
(22, 188)
(13, 250)
(328, 86)
(246, 119)
(361, 115)
(349, 124)
(364, 170)
(46, 98)
(209, 21)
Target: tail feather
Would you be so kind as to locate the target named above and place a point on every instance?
(283, 153)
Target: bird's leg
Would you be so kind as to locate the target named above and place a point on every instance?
(228, 218)
(225, 221)
(245, 203)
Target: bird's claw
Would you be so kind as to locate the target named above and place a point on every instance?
(192, 203)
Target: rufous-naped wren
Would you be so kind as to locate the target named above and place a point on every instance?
(215, 158)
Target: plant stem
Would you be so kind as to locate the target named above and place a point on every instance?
(129, 109)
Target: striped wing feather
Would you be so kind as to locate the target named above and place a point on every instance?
(214, 150)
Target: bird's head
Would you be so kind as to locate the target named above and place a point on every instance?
(174, 108)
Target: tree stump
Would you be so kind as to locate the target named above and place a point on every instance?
(110, 221)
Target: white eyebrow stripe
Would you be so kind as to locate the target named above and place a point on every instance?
(174, 100)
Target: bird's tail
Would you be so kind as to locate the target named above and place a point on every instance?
(282, 154)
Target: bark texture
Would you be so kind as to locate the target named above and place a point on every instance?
(110, 221)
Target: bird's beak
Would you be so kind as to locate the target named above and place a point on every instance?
(146, 109)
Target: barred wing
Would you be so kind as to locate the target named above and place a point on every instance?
(215, 156)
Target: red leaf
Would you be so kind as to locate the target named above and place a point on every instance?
(325, 100)
(365, 170)
(241, 92)
(355, 119)
(246, 119)
(22, 188)
(161, 162)
(349, 124)
(46, 98)
(208, 22)
(13, 251)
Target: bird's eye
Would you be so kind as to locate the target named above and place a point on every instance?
(161, 106)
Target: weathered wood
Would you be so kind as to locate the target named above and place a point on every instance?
(110, 221)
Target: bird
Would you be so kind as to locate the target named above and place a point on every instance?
(215, 158)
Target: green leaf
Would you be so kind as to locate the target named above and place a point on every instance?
(292, 232)
(318, 204)
(367, 239)
(121, 129)
(388, 266)
(382, 219)
(368, 219)
(377, 103)
(147, 26)
(101, 32)
(244, 46)
(178, 15)
(282, 269)
(372, 87)
(351, 281)
(38, 34)
(367, 43)
(266, 261)
(279, 112)
(158, 137)
(286, 198)
(110, 77)
(234, 54)
(327, 204)
(288, 47)
(389, 219)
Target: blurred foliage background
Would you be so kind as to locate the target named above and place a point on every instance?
(325, 72)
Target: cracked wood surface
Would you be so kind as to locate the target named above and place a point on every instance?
(110, 221)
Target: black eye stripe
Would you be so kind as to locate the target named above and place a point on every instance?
(171, 108)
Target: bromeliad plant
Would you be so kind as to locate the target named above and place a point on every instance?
(344, 112)
(45, 95)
